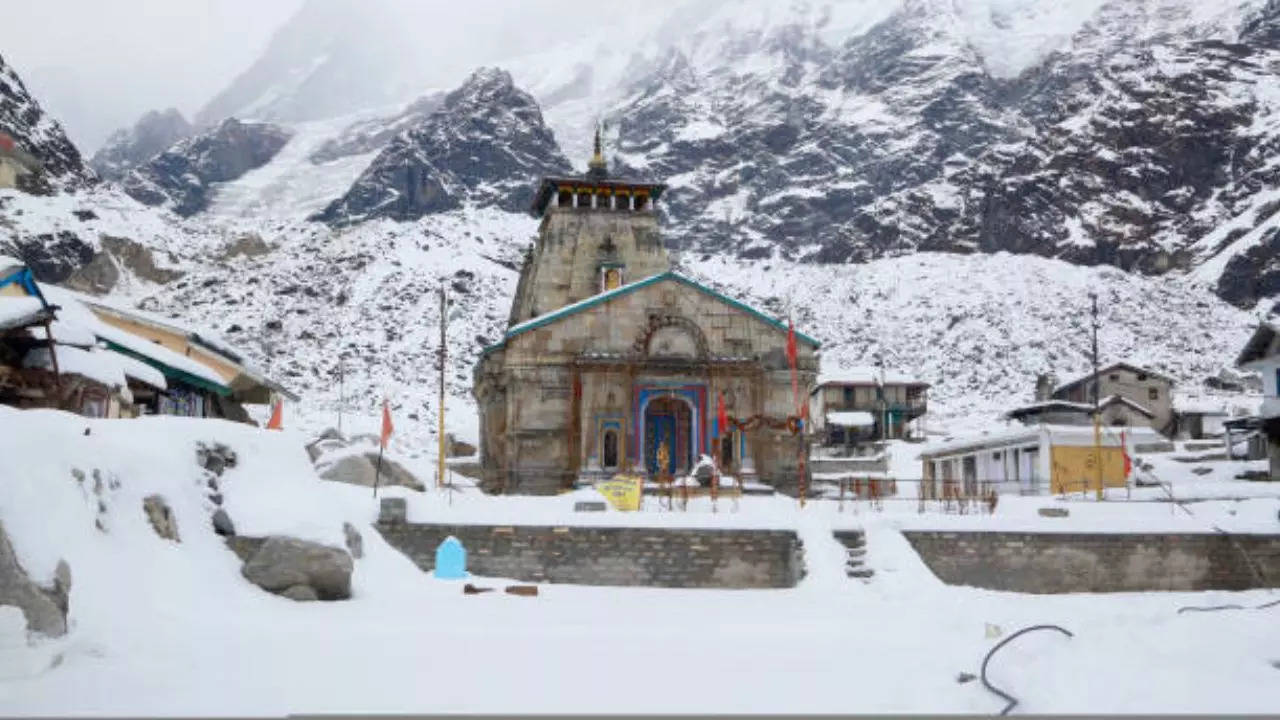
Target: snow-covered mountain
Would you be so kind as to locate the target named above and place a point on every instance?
(183, 176)
(1121, 132)
(39, 134)
(925, 181)
(481, 146)
(128, 148)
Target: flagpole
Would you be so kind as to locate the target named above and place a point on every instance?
(440, 429)
(377, 471)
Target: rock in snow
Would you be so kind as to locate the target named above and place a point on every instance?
(45, 609)
(282, 563)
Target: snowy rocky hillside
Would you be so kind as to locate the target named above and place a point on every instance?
(39, 134)
(934, 183)
(182, 176)
(482, 145)
(1121, 132)
(128, 148)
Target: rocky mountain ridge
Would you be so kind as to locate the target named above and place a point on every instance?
(483, 144)
(182, 176)
(128, 148)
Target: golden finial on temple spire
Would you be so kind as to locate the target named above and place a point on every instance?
(597, 167)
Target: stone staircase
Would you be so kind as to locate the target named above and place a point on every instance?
(855, 543)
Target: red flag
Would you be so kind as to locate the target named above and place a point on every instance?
(722, 418)
(277, 417)
(792, 361)
(386, 423)
(1128, 461)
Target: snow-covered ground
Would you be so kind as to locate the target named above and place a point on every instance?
(171, 628)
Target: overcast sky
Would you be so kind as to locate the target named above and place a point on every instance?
(99, 64)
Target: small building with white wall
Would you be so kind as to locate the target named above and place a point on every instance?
(1034, 460)
(1262, 355)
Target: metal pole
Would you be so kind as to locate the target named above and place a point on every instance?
(1097, 397)
(341, 392)
(440, 429)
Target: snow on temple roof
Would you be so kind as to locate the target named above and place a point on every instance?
(586, 303)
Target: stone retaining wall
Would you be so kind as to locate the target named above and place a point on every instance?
(1100, 562)
(655, 557)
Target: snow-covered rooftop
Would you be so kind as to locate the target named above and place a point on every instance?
(74, 312)
(866, 376)
(19, 311)
(851, 419)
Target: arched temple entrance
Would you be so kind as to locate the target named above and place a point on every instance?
(669, 420)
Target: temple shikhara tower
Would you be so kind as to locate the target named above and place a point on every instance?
(611, 361)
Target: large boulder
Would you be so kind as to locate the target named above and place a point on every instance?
(360, 470)
(44, 608)
(284, 562)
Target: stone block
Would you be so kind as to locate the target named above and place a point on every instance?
(393, 511)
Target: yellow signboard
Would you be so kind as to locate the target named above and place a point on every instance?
(622, 491)
(1075, 469)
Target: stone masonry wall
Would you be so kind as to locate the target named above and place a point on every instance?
(654, 557)
(1049, 563)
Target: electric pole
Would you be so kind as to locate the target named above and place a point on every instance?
(1097, 395)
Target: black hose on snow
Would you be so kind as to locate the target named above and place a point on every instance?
(1007, 697)
(1210, 608)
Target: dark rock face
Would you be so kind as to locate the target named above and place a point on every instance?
(1254, 274)
(38, 134)
(182, 176)
(372, 135)
(481, 146)
(53, 257)
(128, 148)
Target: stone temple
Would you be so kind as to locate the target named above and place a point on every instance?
(610, 355)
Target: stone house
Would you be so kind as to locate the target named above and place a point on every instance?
(1131, 396)
(855, 406)
(1261, 354)
(611, 361)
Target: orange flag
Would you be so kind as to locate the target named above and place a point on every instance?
(387, 428)
(277, 416)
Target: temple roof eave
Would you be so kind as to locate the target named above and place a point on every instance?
(549, 186)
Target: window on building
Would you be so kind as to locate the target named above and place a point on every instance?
(621, 202)
(848, 396)
(1153, 393)
(610, 449)
(565, 199)
(1114, 377)
(1142, 377)
(612, 278)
